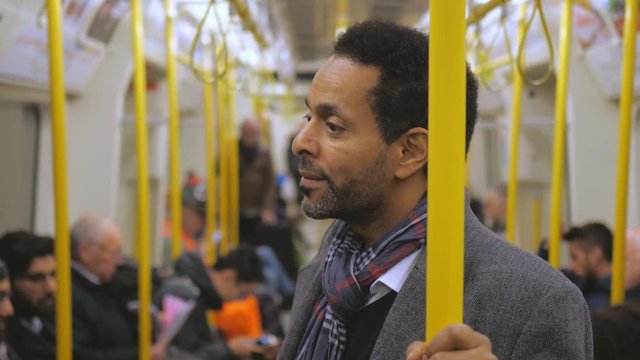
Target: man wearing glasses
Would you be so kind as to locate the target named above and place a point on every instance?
(31, 263)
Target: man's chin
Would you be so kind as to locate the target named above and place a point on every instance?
(46, 309)
(311, 210)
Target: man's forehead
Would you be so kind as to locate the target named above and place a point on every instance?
(341, 78)
(4, 285)
(43, 261)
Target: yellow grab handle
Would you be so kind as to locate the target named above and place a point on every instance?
(143, 253)
(59, 144)
(174, 135)
(446, 162)
(537, 7)
(514, 149)
(557, 180)
(624, 144)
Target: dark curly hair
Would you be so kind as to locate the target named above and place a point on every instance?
(592, 235)
(401, 54)
(245, 261)
(18, 249)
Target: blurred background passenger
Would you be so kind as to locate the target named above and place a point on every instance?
(32, 265)
(590, 251)
(6, 311)
(231, 281)
(257, 183)
(100, 328)
(616, 331)
(495, 209)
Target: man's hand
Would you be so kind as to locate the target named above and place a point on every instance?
(158, 350)
(456, 342)
(268, 217)
(243, 347)
(271, 351)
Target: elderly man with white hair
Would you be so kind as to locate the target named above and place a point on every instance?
(100, 328)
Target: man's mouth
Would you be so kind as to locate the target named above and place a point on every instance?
(310, 180)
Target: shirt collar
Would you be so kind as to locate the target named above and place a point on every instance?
(85, 273)
(393, 279)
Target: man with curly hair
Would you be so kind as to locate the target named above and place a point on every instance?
(363, 154)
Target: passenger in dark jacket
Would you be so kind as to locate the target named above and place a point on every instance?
(192, 283)
(6, 311)
(100, 327)
(208, 289)
(31, 263)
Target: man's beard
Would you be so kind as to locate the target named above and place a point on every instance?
(349, 201)
(25, 308)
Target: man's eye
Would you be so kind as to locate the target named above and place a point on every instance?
(307, 117)
(333, 128)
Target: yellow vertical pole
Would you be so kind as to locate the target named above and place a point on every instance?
(174, 135)
(514, 148)
(537, 233)
(559, 135)
(446, 161)
(331, 19)
(144, 275)
(342, 17)
(624, 143)
(59, 142)
(208, 98)
(224, 165)
(234, 165)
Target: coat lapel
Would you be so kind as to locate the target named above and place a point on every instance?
(308, 291)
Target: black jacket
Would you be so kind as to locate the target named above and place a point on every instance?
(193, 283)
(100, 329)
(31, 338)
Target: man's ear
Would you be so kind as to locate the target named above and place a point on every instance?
(411, 150)
(84, 249)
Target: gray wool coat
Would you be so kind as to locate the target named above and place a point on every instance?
(528, 309)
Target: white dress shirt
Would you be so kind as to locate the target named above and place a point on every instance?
(393, 279)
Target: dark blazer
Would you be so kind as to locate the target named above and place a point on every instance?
(100, 328)
(527, 309)
(29, 344)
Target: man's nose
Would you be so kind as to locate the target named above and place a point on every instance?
(6, 308)
(305, 142)
(51, 284)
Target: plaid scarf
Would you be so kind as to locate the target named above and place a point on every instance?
(349, 271)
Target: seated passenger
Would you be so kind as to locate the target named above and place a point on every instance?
(616, 331)
(32, 265)
(236, 277)
(632, 264)
(6, 311)
(208, 288)
(590, 248)
(494, 207)
(100, 329)
(194, 204)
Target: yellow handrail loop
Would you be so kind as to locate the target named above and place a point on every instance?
(486, 73)
(537, 7)
(223, 51)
